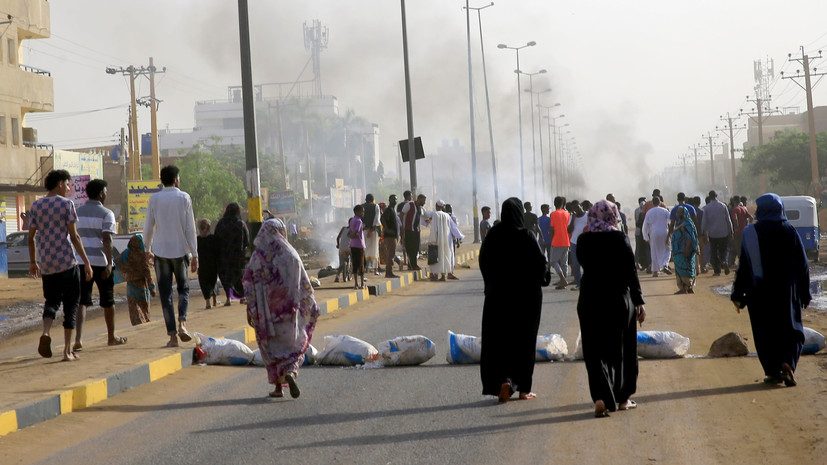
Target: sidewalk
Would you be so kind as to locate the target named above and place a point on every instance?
(37, 389)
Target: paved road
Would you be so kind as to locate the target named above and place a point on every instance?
(427, 414)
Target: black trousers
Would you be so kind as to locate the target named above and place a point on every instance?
(412, 248)
(718, 252)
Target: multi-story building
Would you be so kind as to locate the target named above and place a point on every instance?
(23, 90)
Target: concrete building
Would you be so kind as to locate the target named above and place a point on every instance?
(23, 90)
(785, 122)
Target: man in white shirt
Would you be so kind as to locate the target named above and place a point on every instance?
(656, 233)
(169, 236)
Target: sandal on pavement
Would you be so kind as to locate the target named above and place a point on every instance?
(294, 388)
(527, 395)
(78, 347)
(277, 392)
(600, 410)
(628, 405)
(45, 346)
(172, 344)
(118, 341)
(184, 335)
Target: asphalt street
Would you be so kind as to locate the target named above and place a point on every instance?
(433, 413)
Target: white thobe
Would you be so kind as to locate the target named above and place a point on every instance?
(372, 240)
(441, 236)
(656, 231)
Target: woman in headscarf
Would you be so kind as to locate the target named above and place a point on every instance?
(610, 304)
(773, 281)
(280, 305)
(513, 269)
(684, 249)
(135, 267)
(207, 263)
(233, 240)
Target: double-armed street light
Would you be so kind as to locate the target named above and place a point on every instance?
(519, 110)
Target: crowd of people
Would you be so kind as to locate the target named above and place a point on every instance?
(384, 226)
(772, 280)
(70, 249)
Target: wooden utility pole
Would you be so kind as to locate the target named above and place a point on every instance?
(815, 181)
(730, 129)
(153, 106)
(134, 138)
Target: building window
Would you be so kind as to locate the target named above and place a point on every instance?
(2, 130)
(15, 131)
(12, 52)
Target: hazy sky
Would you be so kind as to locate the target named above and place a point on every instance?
(638, 81)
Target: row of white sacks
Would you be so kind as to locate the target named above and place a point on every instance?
(343, 350)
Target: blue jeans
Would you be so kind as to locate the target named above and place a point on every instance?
(165, 268)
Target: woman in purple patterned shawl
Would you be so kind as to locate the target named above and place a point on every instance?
(280, 305)
(609, 307)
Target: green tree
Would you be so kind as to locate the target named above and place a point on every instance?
(211, 184)
(786, 161)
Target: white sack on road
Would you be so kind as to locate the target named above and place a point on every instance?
(661, 344)
(463, 348)
(551, 347)
(813, 341)
(406, 350)
(224, 351)
(343, 350)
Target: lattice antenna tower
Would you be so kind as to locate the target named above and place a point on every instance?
(315, 40)
(764, 72)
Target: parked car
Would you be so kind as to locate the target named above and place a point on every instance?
(17, 248)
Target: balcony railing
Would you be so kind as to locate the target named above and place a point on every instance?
(32, 69)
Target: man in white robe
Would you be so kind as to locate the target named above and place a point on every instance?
(441, 236)
(373, 228)
(656, 233)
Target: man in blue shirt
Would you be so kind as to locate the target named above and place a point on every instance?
(544, 222)
(673, 213)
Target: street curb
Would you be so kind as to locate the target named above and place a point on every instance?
(90, 392)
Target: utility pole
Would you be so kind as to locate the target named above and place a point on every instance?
(684, 157)
(815, 184)
(153, 102)
(473, 134)
(488, 107)
(253, 184)
(134, 137)
(731, 128)
(408, 102)
(697, 177)
(712, 146)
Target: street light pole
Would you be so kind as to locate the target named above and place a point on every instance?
(408, 105)
(520, 111)
(488, 111)
(530, 90)
(473, 135)
(550, 142)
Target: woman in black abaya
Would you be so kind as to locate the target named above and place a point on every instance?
(609, 306)
(513, 269)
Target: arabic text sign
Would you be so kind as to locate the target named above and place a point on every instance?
(138, 200)
(282, 203)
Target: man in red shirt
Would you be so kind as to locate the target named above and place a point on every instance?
(560, 241)
(740, 219)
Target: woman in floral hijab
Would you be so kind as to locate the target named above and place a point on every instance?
(280, 305)
(609, 308)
